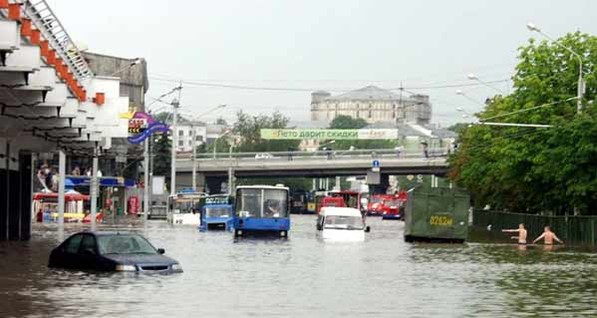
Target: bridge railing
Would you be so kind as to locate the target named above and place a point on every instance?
(318, 155)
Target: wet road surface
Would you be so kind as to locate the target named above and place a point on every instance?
(303, 277)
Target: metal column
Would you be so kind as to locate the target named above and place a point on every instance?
(61, 188)
(193, 162)
(94, 188)
(175, 105)
(146, 181)
(230, 180)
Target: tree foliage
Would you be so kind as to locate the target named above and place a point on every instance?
(534, 170)
(162, 155)
(221, 121)
(347, 122)
(248, 128)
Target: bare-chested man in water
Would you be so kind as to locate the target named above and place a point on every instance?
(522, 234)
(548, 237)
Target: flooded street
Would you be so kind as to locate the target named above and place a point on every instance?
(303, 277)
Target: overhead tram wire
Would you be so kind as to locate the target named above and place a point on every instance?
(529, 109)
(480, 70)
(297, 89)
(520, 132)
(165, 94)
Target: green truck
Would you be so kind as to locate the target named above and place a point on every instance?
(436, 215)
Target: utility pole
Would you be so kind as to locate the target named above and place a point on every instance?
(175, 104)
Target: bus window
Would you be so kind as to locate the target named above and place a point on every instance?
(275, 203)
(249, 203)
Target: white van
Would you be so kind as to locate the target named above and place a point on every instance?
(341, 224)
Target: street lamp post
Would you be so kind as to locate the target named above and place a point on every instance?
(461, 93)
(465, 113)
(476, 78)
(216, 142)
(137, 61)
(580, 87)
(194, 144)
(175, 105)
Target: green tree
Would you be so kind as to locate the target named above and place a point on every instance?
(221, 121)
(248, 128)
(534, 170)
(347, 122)
(161, 152)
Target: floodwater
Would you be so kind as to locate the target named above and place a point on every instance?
(304, 277)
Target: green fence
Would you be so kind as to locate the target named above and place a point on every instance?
(573, 230)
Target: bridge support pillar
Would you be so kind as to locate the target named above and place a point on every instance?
(214, 184)
(382, 187)
(200, 182)
(4, 182)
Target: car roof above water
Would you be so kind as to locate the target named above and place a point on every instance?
(327, 211)
(107, 233)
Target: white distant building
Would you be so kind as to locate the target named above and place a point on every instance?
(372, 104)
(185, 136)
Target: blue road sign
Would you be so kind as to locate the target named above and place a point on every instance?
(375, 163)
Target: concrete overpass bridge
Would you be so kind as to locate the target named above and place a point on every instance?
(309, 164)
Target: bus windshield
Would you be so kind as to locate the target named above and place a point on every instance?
(275, 203)
(262, 203)
(217, 212)
(186, 205)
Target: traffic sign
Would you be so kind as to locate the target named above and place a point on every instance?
(376, 164)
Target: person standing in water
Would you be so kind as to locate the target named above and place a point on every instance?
(548, 237)
(522, 234)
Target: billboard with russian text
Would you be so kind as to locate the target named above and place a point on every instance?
(325, 134)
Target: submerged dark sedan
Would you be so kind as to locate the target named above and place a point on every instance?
(111, 251)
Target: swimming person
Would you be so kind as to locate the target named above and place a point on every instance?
(548, 237)
(522, 234)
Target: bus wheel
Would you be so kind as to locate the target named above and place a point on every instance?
(238, 233)
(283, 234)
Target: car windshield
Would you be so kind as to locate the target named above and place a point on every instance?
(217, 212)
(343, 222)
(124, 244)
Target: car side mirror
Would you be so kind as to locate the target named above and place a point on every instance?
(161, 251)
(367, 229)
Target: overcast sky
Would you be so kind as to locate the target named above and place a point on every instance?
(334, 45)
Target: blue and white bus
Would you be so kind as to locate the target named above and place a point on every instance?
(262, 209)
(217, 213)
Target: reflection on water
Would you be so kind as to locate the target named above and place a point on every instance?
(303, 276)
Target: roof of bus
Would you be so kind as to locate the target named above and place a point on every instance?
(261, 187)
(325, 211)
